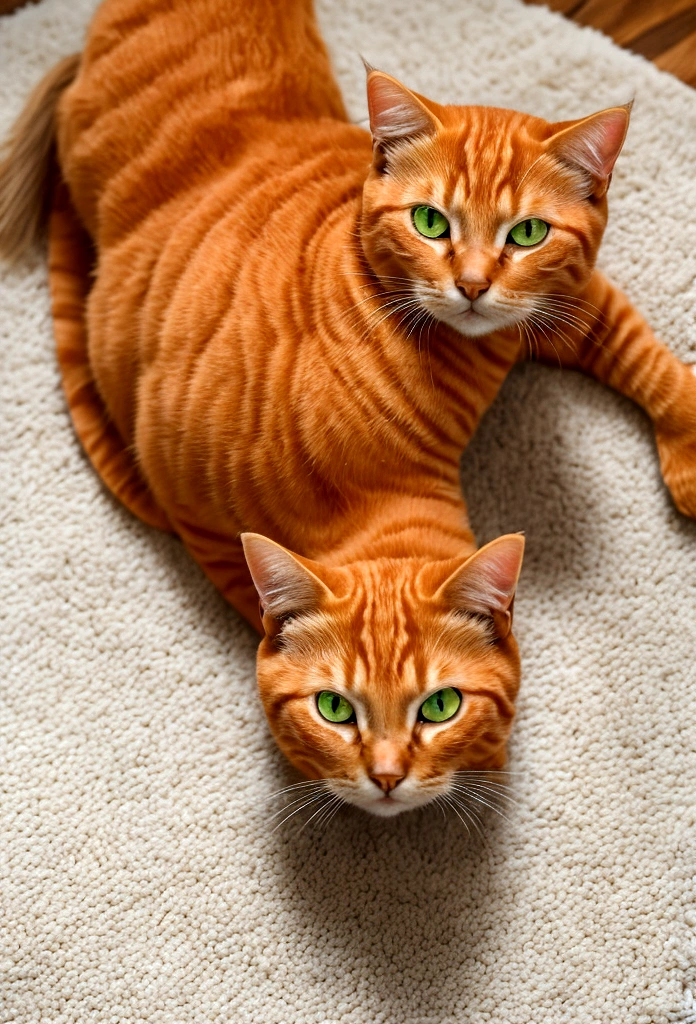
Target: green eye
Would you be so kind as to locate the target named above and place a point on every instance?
(430, 222)
(441, 705)
(334, 708)
(528, 232)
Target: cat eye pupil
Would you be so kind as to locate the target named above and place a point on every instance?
(429, 222)
(440, 706)
(335, 708)
(528, 232)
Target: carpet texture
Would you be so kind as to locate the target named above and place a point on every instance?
(141, 879)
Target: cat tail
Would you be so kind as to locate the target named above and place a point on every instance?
(33, 197)
(27, 161)
(71, 261)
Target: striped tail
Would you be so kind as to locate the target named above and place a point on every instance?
(26, 173)
(71, 258)
(27, 162)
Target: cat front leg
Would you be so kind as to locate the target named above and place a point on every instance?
(601, 333)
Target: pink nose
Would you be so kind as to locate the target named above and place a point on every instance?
(472, 289)
(387, 782)
(385, 764)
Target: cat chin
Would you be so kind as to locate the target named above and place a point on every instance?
(477, 328)
(475, 325)
(385, 807)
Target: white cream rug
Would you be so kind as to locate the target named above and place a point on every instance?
(141, 879)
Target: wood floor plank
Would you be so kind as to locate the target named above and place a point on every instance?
(680, 60)
(7, 6)
(562, 6)
(668, 34)
(626, 20)
(664, 31)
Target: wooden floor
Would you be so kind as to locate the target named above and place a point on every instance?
(664, 31)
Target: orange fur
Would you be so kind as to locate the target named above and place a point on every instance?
(271, 347)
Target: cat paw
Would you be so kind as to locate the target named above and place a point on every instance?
(677, 450)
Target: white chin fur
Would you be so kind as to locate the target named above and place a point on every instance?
(473, 327)
(449, 308)
(386, 808)
(369, 798)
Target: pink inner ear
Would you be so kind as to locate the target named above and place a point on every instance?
(486, 582)
(283, 584)
(394, 112)
(595, 144)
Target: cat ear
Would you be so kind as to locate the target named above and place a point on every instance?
(594, 143)
(485, 584)
(285, 582)
(396, 113)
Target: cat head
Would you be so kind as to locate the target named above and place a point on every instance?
(384, 678)
(484, 217)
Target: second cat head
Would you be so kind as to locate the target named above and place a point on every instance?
(482, 217)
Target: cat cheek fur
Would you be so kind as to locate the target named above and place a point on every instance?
(288, 686)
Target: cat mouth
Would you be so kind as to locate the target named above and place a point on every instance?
(386, 806)
(473, 323)
(477, 323)
(382, 805)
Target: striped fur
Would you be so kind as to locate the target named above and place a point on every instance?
(269, 346)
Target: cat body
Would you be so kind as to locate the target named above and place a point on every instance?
(273, 375)
(271, 348)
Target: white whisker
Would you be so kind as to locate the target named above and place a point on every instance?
(312, 795)
(462, 791)
(332, 813)
(307, 803)
(451, 804)
(493, 788)
(321, 809)
(440, 803)
(298, 785)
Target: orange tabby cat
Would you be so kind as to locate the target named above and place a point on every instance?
(293, 331)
